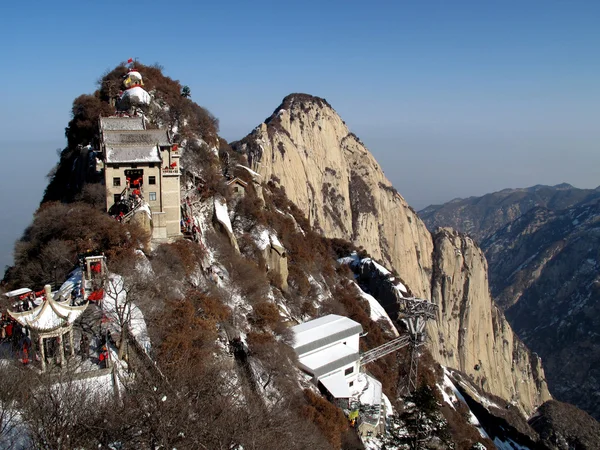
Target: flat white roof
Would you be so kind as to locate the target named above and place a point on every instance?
(327, 360)
(323, 328)
(336, 384)
(18, 292)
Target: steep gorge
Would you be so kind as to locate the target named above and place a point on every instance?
(328, 172)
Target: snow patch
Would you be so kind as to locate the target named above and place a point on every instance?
(222, 214)
(377, 311)
(457, 396)
(137, 95)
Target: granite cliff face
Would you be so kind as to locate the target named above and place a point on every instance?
(544, 275)
(328, 172)
(472, 333)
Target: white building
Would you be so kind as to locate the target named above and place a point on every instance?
(328, 350)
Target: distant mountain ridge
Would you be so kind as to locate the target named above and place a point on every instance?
(480, 217)
(543, 248)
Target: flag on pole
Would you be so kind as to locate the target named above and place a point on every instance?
(130, 60)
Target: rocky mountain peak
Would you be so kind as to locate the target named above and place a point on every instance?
(306, 148)
(300, 102)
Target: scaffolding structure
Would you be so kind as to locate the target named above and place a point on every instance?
(414, 312)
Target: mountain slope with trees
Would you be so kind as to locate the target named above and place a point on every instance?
(220, 372)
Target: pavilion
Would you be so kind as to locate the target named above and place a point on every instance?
(51, 319)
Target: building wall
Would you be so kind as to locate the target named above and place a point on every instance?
(111, 171)
(352, 342)
(159, 228)
(350, 378)
(163, 197)
(171, 204)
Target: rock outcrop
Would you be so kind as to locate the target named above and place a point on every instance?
(328, 172)
(473, 335)
(543, 269)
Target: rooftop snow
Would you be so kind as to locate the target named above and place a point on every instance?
(122, 123)
(329, 359)
(325, 330)
(132, 153)
(136, 137)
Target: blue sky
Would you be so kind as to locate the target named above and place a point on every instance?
(453, 98)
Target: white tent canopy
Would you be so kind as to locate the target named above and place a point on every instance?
(18, 292)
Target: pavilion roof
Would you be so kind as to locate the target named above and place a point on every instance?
(49, 316)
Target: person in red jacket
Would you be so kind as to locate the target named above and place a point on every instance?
(103, 357)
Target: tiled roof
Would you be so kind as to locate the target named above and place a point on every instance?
(136, 137)
(121, 123)
(132, 154)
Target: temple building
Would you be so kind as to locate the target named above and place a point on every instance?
(141, 166)
(51, 320)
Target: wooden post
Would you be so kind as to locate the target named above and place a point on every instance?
(71, 342)
(61, 346)
(43, 354)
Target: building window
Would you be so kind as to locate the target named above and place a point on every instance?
(351, 384)
(117, 198)
(152, 196)
(117, 181)
(348, 371)
(151, 180)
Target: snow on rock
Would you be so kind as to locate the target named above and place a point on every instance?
(354, 262)
(275, 241)
(222, 214)
(389, 409)
(143, 265)
(401, 287)
(455, 397)
(351, 260)
(382, 270)
(145, 208)
(255, 175)
(321, 289)
(262, 239)
(377, 311)
(136, 95)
